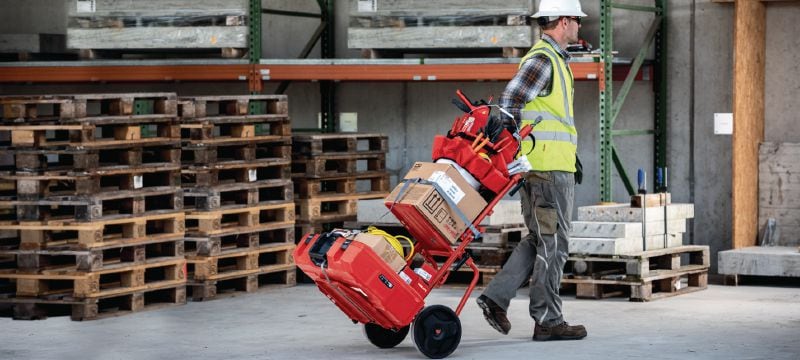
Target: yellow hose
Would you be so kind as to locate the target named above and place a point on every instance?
(392, 239)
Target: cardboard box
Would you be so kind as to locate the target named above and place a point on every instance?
(382, 247)
(428, 202)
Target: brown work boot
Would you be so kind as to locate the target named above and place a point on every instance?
(563, 331)
(494, 314)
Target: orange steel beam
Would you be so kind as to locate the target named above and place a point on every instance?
(127, 73)
(306, 72)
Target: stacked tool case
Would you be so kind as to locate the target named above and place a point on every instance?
(240, 214)
(156, 27)
(332, 172)
(92, 207)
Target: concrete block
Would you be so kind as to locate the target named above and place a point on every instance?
(598, 229)
(625, 213)
(620, 246)
(761, 261)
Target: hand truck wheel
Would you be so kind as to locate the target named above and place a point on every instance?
(436, 331)
(384, 338)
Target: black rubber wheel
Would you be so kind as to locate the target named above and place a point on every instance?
(384, 338)
(437, 331)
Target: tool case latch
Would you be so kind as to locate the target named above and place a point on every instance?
(346, 244)
(318, 252)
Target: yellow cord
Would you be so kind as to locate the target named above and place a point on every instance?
(392, 239)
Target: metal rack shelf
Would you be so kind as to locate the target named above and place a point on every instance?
(328, 71)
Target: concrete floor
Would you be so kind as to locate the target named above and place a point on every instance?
(748, 322)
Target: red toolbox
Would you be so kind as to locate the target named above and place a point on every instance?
(359, 281)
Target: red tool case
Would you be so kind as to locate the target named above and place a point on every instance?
(370, 292)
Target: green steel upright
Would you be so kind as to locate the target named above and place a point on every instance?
(610, 107)
(254, 38)
(324, 34)
(328, 88)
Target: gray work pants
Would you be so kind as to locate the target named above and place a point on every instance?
(547, 199)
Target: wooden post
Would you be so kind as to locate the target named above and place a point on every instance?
(748, 112)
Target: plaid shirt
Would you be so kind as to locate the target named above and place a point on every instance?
(532, 80)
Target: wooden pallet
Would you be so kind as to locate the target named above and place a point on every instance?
(71, 283)
(367, 186)
(153, 298)
(646, 276)
(219, 245)
(231, 133)
(328, 208)
(75, 235)
(276, 277)
(56, 162)
(58, 187)
(235, 264)
(121, 255)
(337, 165)
(239, 220)
(328, 144)
(233, 108)
(89, 135)
(220, 174)
(240, 150)
(103, 206)
(238, 195)
(89, 108)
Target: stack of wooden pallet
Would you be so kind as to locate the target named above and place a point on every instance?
(332, 172)
(501, 231)
(634, 251)
(93, 220)
(98, 27)
(238, 193)
(390, 27)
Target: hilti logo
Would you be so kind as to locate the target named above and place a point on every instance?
(385, 281)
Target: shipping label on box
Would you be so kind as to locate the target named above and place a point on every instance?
(448, 186)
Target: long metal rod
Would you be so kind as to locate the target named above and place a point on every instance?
(291, 13)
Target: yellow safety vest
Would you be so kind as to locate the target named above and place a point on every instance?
(552, 116)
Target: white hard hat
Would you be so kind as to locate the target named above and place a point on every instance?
(559, 8)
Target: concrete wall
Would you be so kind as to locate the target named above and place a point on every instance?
(700, 66)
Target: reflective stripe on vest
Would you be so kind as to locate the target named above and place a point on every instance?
(555, 132)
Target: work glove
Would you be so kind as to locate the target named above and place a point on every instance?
(578, 170)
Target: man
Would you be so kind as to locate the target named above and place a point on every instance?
(541, 93)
